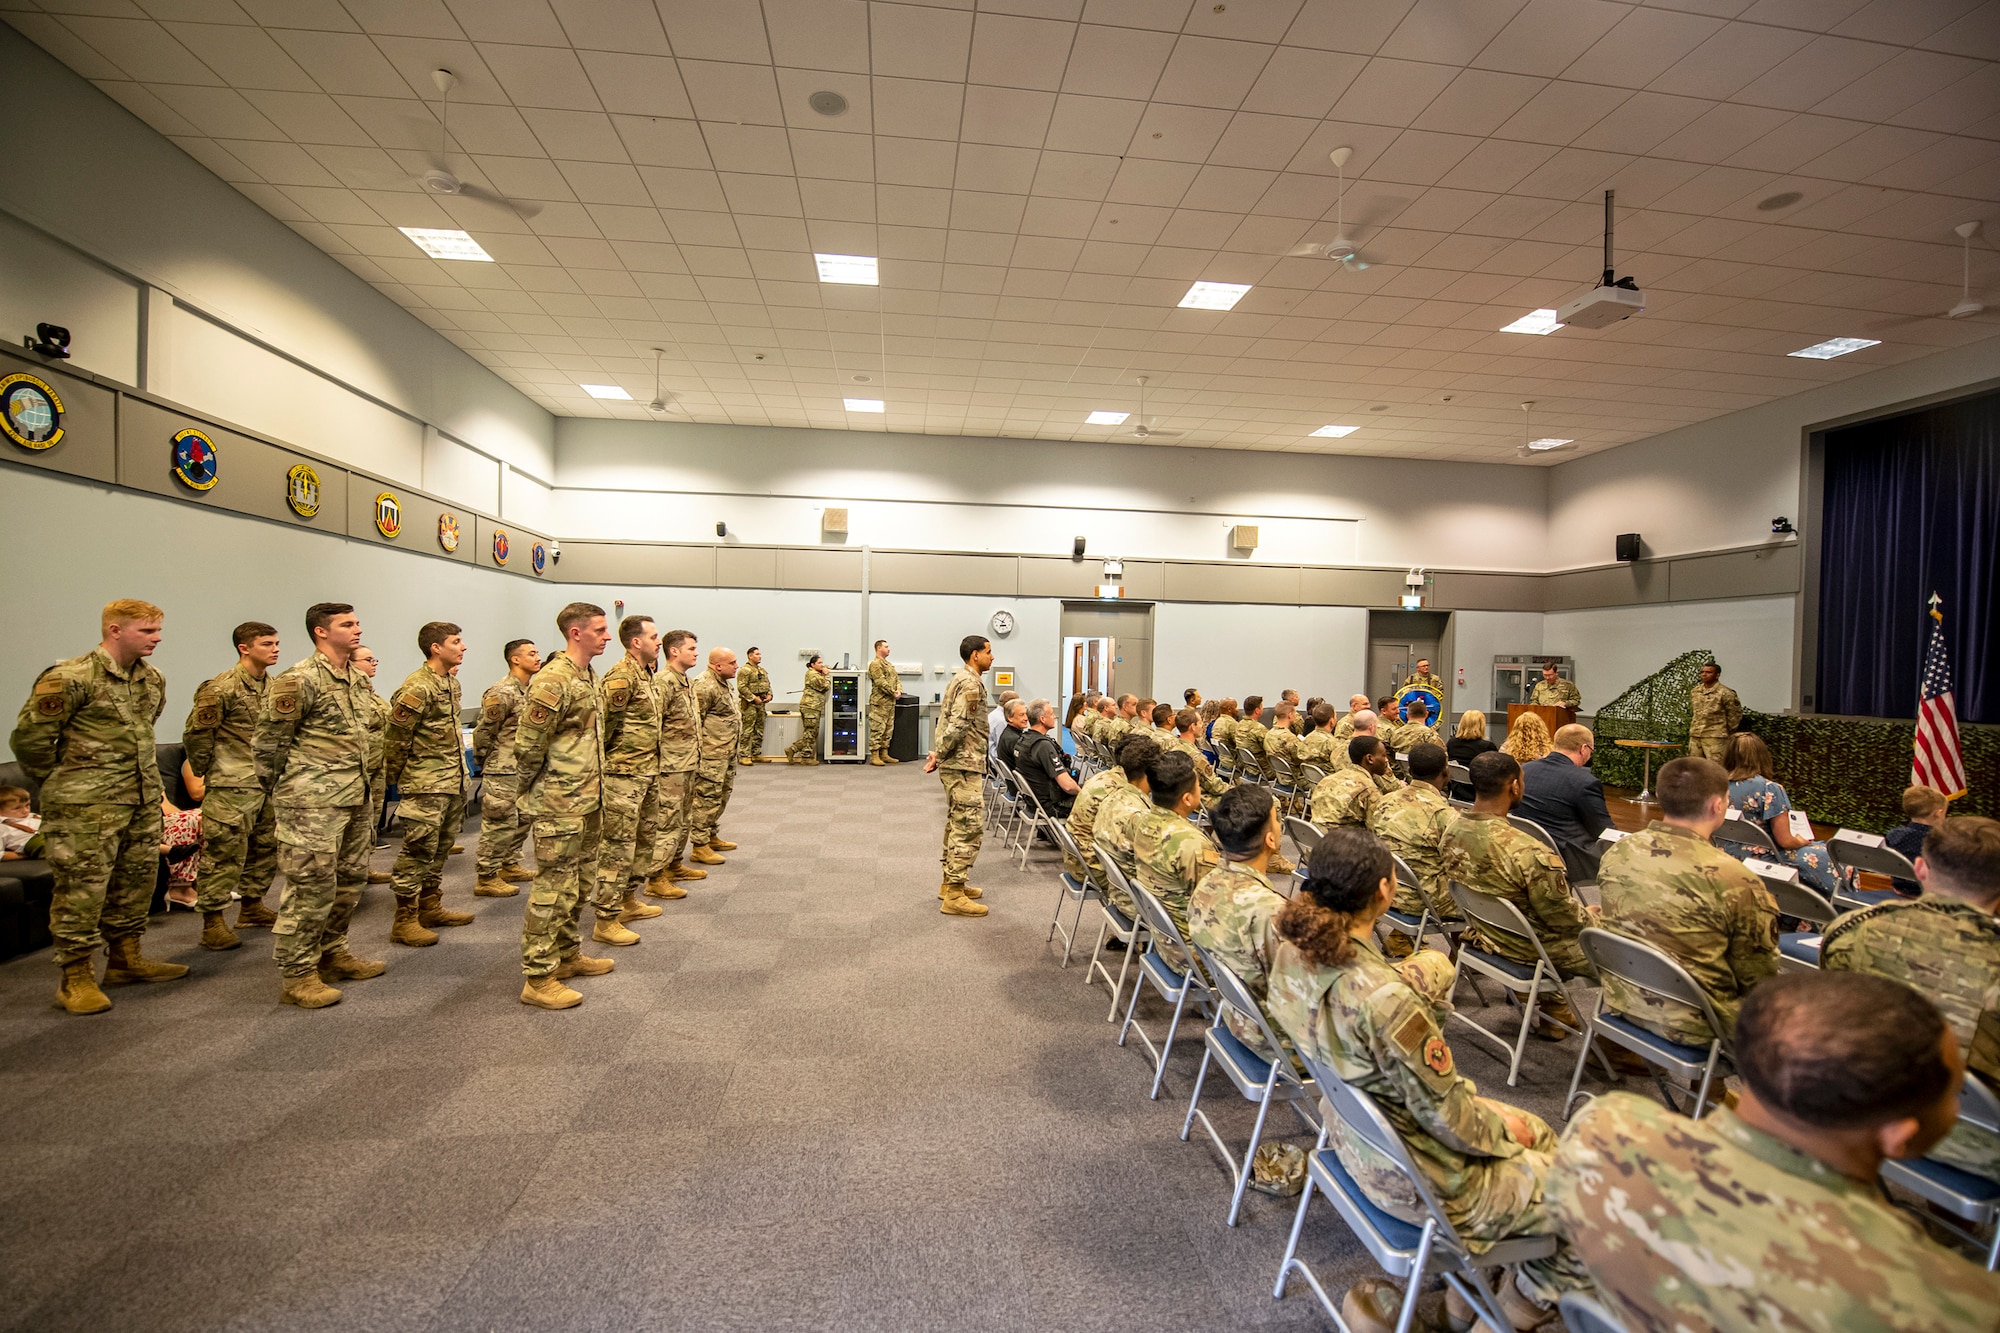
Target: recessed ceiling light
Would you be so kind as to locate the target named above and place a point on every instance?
(1213, 295)
(1833, 347)
(1548, 442)
(1778, 201)
(857, 270)
(1535, 321)
(442, 244)
(1107, 418)
(1336, 432)
(864, 404)
(828, 103)
(610, 391)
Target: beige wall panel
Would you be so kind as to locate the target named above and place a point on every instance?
(1277, 584)
(831, 570)
(1769, 572)
(1638, 583)
(910, 571)
(89, 446)
(1488, 592)
(746, 567)
(1350, 587)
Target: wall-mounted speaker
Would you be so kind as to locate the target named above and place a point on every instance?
(833, 520)
(1243, 537)
(1628, 546)
(1076, 549)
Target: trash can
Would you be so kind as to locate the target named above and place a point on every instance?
(903, 744)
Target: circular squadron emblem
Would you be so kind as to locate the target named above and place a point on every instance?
(30, 412)
(302, 490)
(538, 557)
(197, 465)
(388, 514)
(448, 532)
(1424, 692)
(499, 548)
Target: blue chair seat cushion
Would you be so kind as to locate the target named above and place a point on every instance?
(1247, 1062)
(1948, 1177)
(1802, 945)
(1164, 976)
(1118, 918)
(1072, 883)
(1400, 1235)
(1404, 919)
(1519, 971)
(1690, 1055)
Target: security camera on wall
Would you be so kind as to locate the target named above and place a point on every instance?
(555, 552)
(50, 340)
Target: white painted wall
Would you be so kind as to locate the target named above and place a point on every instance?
(1616, 647)
(1477, 638)
(1239, 650)
(44, 282)
(925, 628)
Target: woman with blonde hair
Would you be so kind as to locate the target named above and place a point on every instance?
(1528, 739)
(1470, 740)
(1754, 792)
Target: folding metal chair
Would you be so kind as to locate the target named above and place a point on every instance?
(1406, 1251)
(1854, 852)
(1305, 836)
(1585, 1314)
(1648, 969)
(1176, 986)
(1525, 983)
(1535, 831)
(1260, 1080)
(1128, 931)
(1284, 783)
(1798, 950)
(1225, 763)
(1458, 780)
(1250, 764)
(1039, 820)
(1416, 927)
(1078, 891)
(1746, 834)
(1960, 1193)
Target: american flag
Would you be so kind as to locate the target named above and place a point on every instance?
(1938, 762)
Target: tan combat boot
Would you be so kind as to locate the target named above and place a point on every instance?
(216, 934)
(959, 905)
(721, 845)
(493, 887)
(252, 912)
(126, 964)
(340, 965)
(516, 873)
(308, 992)
(746, 761)
(458, 849)
(78, 992)
(408, 930)
(949, 890)
(875, 761)
(582, 965)
(379, 877)
(549, 993)
(1397, 946)
(613, 932)
(431, 910)
(631, 909)
(888, 758)
(681, 872)
(1547, 1016)
(662, 885)
(704, 855)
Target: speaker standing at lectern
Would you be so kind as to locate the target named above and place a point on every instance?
(1555, 692)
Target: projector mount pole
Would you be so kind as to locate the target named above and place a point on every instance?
(1610, 276)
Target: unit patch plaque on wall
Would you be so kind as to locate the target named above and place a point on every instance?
(538, 558)
(388, 514)
(448, 532)
(197, 465)
(30, 412)
(499, 548)
(302, 490)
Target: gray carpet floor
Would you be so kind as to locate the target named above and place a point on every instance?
(806, 1100)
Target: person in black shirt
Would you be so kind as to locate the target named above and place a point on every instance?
(1039, 761)
(1016, 714)
(1470, 740)
(1924, 808)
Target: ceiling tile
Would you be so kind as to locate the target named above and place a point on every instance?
(1392, 92)
(908, 42)
(1209, 72)
(1643, 46)
(631, 27)
(638, 85)
(738, 94)
(914, 109)
(1546, 36)
(702, 30)
(1020, 52)
(1117, 62)
(540, 77)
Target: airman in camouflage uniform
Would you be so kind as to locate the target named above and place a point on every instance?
(1083, 820)
(680, 758)
(1717, 713)
(375, 711)
(1249, 733)
(423, 754)
(1171, 856)
(1113, 724)
(715, 702)
(1117, 823)
(631, 811)
(311, 746)
(753, 691)
(1281, 742)
(958, 757)
(884, 688)
(1484, 852)
(1415, 822)
(1407, 737)
(1345, 798)
(239, 847)
(501, 829)
(1230, 915)
(85, 736)
(1424, 676)
(812, 704)
(1553, 691)
(560, 746)
(1317, 748)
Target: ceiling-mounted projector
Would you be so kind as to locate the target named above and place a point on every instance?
(1612, 299)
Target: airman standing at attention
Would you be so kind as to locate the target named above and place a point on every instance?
(560, 745)
(631, 783)
(1422, 676)
(753, 691)
(1716, 716)
(812, 703)
(884, 688)
(311, 744)
(958, 757)
(375, 713)
(85, 736)
(239, 847)
(1555, 692)
(424, 755)
(501, 830)
(680, 757)
(715, 775)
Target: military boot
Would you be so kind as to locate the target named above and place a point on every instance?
(1550, 1013)
(252, 912)
(704, 855)
(888, 758)
(516, 873)
(875, 761)
(458, 849)
(721, 845)
(340, 965)
(959, 905)
(126, 964)
(1460, 1317)
(613, 932)
(78, 992)
(631, 909)
(1397, 946)
(215, 932)
(407, 929)
(308, 992)
(431, 910)
(493, 887)
(379, 877)
(582, 965)
(948, 890)
(1524, 1313)
(549, 993)
(681, 872)
(746, 761)
(662, 885)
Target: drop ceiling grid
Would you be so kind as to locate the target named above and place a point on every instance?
(1042, 185)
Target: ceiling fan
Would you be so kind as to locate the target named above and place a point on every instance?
(1341, 250)
(1535, 448)
(1141, 430)
(662, 402)
(1967, 306)
(440, 180)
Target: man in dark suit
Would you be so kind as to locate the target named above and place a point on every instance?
(1565, 797)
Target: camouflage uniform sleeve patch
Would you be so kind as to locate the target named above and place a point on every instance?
(546, 693)
(1410, 1034)
(617, 694)
(1437, 1056)
(207, 715)
(49, 705)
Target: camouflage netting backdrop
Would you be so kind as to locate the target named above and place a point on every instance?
(1845, 771)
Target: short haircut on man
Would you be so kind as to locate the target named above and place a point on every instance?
(1491, 772)
(1284, 709)
(1921, 802)
(1124, 699)
(675, 638)
(576, 613)
(1686, 785)
(1571, 737)
(1240, 818)
(971, 644)
(1171, 777)
(1427, 761)
(249, 632)
(1106, 705)
(433, 633)
(751, 649)
(631, 627)
(1322, 713)
(1362, 746)
(1964, 853)
(1188, 694)
(1137, 754)
(1251, 703)
(128, 610)
(881, 643)
(1418, 706)
(1162, 714)
(1008, 696)
(514, 646)
(1012, 706)
(1038, 707)
(1186, 718)
(1841, 1050)
(321, 614)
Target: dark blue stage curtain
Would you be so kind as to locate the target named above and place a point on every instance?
(1912, 507)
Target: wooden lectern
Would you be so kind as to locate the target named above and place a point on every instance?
(1551, 714)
